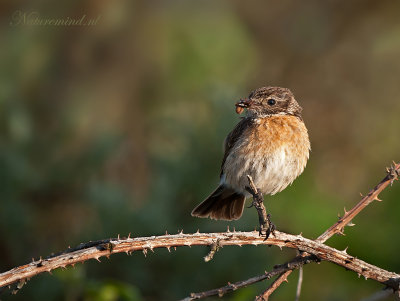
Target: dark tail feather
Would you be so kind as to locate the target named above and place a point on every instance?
(224, 203)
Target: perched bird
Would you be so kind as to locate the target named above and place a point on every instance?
(270, 144)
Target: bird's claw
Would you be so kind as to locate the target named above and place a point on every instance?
(267, 229)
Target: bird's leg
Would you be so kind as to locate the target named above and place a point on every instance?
(266, 226)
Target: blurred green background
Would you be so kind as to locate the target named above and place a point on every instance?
(118, 128)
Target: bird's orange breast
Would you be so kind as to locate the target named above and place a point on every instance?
(274, 132)
(273, 150)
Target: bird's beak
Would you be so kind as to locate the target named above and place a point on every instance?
(242, 104)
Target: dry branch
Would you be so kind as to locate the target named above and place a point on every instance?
(321, 252)
(338, 227)
(393, 174)
(299, 284)
(312, 250)
(95, 250)
(234, 286)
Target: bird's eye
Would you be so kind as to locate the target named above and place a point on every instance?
(271, 101)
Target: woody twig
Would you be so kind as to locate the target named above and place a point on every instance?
(338, 227)
(96, 250)
(304, 258)
(312, 250)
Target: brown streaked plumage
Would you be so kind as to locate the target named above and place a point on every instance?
(270, 144)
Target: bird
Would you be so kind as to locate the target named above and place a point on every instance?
(270, 144)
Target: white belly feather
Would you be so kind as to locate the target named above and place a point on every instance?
(273, 164)
(271, 174)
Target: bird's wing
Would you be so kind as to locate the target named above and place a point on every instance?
(233, 137)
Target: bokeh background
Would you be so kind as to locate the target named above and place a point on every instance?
(118, 128)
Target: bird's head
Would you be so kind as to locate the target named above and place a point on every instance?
(268, 101)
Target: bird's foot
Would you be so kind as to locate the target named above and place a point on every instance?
(264, 219)
(267, 228)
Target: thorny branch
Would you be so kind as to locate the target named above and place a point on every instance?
(373, 195)
(312, 250)
(320, 252)
(95, 250)
(304, 258)
(338, 228)
(234, 286)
